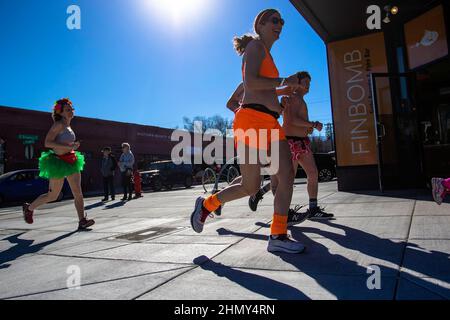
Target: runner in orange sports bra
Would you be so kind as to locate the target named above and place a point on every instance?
(268, 118)
(258, 113)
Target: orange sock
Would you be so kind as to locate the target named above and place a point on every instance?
(212, 203)
(279, 225)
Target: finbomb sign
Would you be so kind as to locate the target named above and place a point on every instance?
(350, 63)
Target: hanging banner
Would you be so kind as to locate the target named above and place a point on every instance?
(426, 38)
(350, 63)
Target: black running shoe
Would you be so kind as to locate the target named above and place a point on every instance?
(318, 213)
(296, 217)
(254, 200)
(218, 211)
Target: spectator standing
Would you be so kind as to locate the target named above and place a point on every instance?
(126, 163)
(109, 165)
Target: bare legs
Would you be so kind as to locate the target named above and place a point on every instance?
(75, 185)
(54, 189)
(309, 165)
(285, 179)
(251, 179)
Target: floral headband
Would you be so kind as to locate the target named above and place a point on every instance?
(58, 107)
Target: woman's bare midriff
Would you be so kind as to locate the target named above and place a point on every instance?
(60, 151)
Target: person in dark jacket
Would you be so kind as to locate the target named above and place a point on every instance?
(109, 165)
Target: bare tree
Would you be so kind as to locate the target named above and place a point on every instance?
(201, 124)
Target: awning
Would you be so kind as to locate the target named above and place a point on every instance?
(336, 20)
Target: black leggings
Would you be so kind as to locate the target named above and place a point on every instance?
(127, 184)
(108, 186)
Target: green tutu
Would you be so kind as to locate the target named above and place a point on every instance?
(51, 167)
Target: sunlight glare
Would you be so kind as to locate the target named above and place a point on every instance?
(179, 11)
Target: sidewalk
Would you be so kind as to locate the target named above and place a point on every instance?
(145, 249)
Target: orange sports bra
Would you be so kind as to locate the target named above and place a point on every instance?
(268, 68)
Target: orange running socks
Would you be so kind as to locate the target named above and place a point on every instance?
(212, 203)
(279, 225)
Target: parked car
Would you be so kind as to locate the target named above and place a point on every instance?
(24, 185)
(166, 174)
(326, 165)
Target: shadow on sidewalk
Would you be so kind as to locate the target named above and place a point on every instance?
(115, 205)
(24, 247)
(264, 286)
(320, 261)
(94, 205)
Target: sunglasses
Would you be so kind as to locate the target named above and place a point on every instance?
(276, 20)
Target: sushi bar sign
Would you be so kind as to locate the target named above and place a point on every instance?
(28, 139)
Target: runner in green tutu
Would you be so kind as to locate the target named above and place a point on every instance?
(62, 162)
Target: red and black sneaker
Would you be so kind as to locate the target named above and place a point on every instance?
(85, 223)
(199, 215)
(27, 213)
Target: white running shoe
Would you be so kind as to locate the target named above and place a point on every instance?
(283, 243)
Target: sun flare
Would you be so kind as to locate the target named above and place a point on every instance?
(179, 11)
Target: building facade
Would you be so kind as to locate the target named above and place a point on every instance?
(24, 132)
(390, 89)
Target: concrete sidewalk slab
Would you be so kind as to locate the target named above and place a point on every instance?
(429, 208)
(430, 227)
(242, 284)
(150, 252)
(145, 249)
(377, 209)
(45, 275)
(322, 256)
(424, 289)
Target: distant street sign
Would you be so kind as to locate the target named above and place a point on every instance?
(28, 137)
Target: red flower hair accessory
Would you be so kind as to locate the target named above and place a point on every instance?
(57, 108)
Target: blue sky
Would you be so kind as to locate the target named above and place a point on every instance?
(142, 61)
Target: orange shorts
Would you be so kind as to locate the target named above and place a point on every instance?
(256, 129)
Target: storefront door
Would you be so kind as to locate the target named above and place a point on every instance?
(396, 126)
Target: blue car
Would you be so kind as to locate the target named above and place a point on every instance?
(25, 185)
